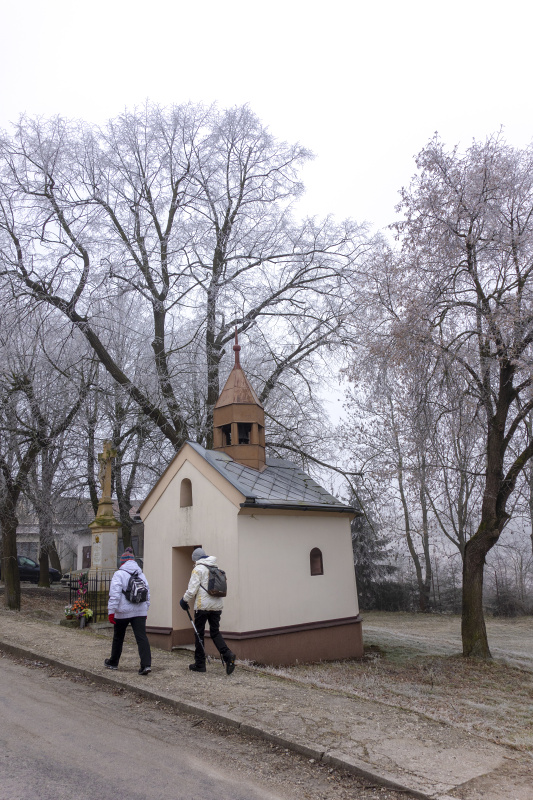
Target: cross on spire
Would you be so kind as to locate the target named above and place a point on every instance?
(236, 350)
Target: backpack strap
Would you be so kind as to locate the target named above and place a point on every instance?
(209, 568)
(132, 574)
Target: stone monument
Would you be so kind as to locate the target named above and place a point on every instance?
(104, 527)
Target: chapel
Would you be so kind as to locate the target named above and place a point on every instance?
(283, 540)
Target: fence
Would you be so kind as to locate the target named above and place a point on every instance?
(94, 589)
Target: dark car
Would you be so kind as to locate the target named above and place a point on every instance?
(29, 570)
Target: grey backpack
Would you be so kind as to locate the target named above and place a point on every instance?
(217, 584)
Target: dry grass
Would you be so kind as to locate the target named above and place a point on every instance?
(492, 699)
(37, 603)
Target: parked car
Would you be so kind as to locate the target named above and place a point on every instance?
(29, 571)
(66, 580)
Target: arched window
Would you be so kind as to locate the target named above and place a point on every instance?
(317, 565)
(185, 493)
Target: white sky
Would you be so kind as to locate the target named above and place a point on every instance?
(364, 85)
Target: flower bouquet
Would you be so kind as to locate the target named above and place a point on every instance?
(79, 607)
(69, 612)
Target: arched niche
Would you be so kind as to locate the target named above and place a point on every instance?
(316, 562)
(185, 493)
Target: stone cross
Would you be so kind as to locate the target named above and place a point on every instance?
(105, 460)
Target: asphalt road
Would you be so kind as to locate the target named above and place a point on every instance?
(61, 740)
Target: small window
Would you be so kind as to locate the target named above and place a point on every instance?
(226, 435)
(185, 493)
(244, 432)
(317, 566)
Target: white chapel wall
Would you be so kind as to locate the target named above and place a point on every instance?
(276, 550)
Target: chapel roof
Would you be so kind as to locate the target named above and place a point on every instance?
(282, 484)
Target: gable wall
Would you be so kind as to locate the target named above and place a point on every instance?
(211, 522)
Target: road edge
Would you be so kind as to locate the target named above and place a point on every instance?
(334, 758)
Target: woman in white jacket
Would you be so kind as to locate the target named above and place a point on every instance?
(123, 613)
(206, 609)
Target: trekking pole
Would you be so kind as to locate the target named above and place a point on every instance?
(207, 658)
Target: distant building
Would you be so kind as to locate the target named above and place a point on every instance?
(72, 535)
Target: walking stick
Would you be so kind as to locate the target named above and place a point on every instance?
(207, 658)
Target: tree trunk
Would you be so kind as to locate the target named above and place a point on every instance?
(422, 585)
(9, 523)
(53, 555)
(92, 467)
(425, 588)
(126, 523)
(529, 473)
(44, 567)
(10, 568)
(163, 375)
(213, 355)
(213, 390)
(493, 518)
(45, 515)
(123, 494)
(473, 630)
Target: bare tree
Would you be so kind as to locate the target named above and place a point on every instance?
(387, 431)
(37, 405)
(18, 452)
(456, 452)
(188, 213)
(466, 280)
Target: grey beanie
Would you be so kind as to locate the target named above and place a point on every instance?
(198, 553)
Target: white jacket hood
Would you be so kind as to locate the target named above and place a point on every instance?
(130, 566)
(211, 560)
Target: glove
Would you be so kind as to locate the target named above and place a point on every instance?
(111, 618)
(184, 604)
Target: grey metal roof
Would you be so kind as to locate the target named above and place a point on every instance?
(281, 484)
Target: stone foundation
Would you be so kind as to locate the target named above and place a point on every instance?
(329, 640)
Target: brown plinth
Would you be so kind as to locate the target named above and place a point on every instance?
(328, 640)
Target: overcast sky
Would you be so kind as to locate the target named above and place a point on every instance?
(364, 85)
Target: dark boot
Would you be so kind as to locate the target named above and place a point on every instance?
(197, 667)
(229, 660)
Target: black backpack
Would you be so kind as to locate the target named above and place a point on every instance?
(137, 590)
(217, 584)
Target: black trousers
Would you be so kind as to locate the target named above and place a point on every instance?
(138, 625)
(200, 620)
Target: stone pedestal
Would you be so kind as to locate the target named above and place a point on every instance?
(105, 531)
(104, 543)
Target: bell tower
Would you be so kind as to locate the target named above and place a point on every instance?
(239, 419)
